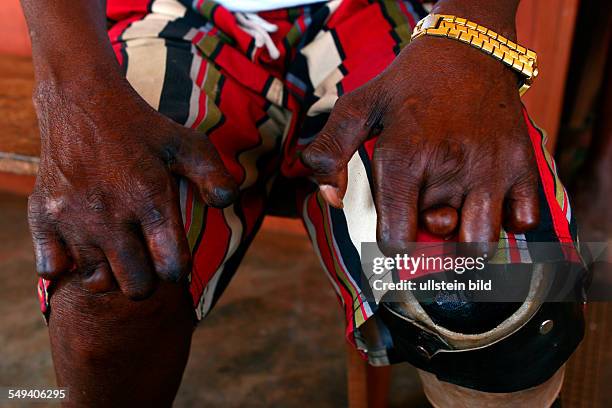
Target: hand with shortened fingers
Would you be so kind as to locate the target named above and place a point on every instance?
(105, 202)
(452, 153)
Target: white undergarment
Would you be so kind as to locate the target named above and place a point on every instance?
(261, 5)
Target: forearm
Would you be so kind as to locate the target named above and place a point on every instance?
(498, 15)
(69, 40)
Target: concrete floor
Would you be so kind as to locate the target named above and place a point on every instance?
(275, 339)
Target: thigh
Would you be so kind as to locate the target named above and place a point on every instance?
(361, 39)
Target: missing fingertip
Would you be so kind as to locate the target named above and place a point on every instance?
(331, 195)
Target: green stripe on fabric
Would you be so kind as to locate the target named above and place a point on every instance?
(197, 222)
(208, 45)
(211, 88)
(293, 35)
(399, 21)
(559, 189)
(207, 9)
(501, 256)
(357, 317)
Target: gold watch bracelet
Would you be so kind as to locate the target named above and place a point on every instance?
(519, 58)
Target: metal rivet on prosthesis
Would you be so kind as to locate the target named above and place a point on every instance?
(546, 326)
(423, 352)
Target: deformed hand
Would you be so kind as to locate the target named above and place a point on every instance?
(452, 146)
(105, 202)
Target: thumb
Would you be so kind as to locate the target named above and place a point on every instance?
(327, 156)
(197, 159)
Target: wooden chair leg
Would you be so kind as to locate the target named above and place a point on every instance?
(368, 387)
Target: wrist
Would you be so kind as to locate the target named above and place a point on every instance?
(500, 18)
(76, 83)
(90, 58)
(95, 94)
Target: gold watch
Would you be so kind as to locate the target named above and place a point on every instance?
(517, 57)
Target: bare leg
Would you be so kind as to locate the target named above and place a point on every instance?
(442, 394)
(111, 351)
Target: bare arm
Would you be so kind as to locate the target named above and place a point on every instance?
(69, 40)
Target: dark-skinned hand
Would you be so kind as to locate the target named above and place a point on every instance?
(452, 152)
(105, 203)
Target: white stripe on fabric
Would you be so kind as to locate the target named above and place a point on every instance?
(359, 208)
(521, 243)
(194, 99)
(568, 213)
(170, 8)
(146, 53)
(235, 225)
(327, 91)
(147, 78)
(360, 299)
(313, 236)
(322, 57)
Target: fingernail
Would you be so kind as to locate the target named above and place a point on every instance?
(331, 195)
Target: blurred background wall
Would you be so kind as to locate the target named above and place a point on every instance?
(13, 30)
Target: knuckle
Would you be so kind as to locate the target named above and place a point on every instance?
(396, 197)
(448, 155)
(152, 218)
(46, 211)
(169, 152)
(174, 270)
(151, 187)
(42, 217)
(526, 186)
(35, 219)
(139, 290)
(346, 115)
(388, 151)
(220, 196)
(90, 266)
(324, 154)
(395, 170)
(520, 152)
(37, 206)
(97, 200)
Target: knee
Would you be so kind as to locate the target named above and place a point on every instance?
(93, 324)
(101, 342)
